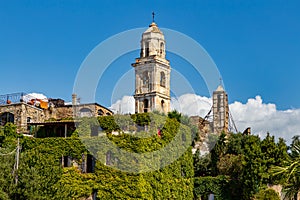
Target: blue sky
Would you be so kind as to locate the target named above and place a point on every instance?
(255, 44)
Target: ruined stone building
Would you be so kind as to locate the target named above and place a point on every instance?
(217, 119)
(152, 73)
(220, 110)
(26, 111)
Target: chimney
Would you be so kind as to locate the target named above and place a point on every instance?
(74, 99)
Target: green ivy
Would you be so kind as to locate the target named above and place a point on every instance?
(41, 175)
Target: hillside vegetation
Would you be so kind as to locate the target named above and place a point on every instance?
(157, 164)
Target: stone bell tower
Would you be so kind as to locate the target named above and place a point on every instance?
(152, 73)
(220, 110)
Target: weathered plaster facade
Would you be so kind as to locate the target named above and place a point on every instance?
(152, 73)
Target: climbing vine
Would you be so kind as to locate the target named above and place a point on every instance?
(41, 174)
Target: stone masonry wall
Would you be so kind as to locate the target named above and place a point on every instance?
(23, 113)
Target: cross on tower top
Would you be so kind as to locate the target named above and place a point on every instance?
(153, 14)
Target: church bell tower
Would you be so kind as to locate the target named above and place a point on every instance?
(220, 110)
(152, 73)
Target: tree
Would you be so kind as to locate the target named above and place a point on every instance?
(246, 159)
(273, 154)
(217, 152)
(10, 130)
(202, 164)
(290, 172)
(231, 165)
(7, 185)
(175, 115)
(267, 194)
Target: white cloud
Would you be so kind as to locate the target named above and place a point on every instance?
(191, 104)
(188, 104)
(264, 117)
(261, 117)
(30, 96)
(124, 106)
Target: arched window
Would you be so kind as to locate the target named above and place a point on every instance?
(85, 112)
(6, 117)
(145, 78)
(162, 79)
(146, 105)
(100, 112)
(147, 49)
(162, 48)
(162, 104)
